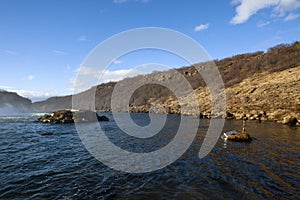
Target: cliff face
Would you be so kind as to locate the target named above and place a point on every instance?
(263, 86)
(12, 104)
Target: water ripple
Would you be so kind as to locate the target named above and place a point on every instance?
(57, 166)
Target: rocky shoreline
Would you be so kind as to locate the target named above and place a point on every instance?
(282, 117)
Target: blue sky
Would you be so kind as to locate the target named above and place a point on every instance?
(43, 43)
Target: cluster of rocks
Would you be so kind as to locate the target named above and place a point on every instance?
(283, 118)
(68, 116)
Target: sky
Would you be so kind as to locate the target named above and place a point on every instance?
(44, 43)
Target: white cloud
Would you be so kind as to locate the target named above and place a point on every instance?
(82, 38)
(201, 27)
(29, 77)
(88, 77)
(247, 8)
(286, 6)
(125, 1)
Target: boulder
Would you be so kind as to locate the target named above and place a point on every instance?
(240, 137)
(102, 118)
(229, 115)
(290, 120)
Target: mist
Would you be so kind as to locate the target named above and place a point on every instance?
(13, 104)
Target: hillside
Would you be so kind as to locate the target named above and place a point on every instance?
(11, 103)
(264, 96)
(257, 76)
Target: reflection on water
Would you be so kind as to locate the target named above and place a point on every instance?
(57, 166)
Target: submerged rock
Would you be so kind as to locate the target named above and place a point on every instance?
(240, 137)
(46, 133)
(68, 116)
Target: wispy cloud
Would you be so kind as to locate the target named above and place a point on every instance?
(201, 27)
(29, 77)
(246, 8)
(88, 77)
(117, 62)
(291, 16)
(82, 38)
(263, 23)
(59, 52)
(10, 52)
(126, 1)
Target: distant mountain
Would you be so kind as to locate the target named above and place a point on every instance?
(13, 104)
(234, 71)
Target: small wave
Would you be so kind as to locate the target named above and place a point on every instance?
(21, 116)
(38, 114)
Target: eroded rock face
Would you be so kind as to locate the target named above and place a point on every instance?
(68, 116)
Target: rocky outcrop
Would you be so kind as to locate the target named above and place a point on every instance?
(58, 117)
(68, 116)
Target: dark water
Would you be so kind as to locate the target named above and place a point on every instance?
(39, 161)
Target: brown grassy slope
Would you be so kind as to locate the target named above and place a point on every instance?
(270, 96)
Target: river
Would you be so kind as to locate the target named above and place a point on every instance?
(43, 161)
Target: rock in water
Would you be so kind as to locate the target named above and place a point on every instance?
(88, 116)
(102, 118)
(67, 116)
(240, 137)
(58, 117)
